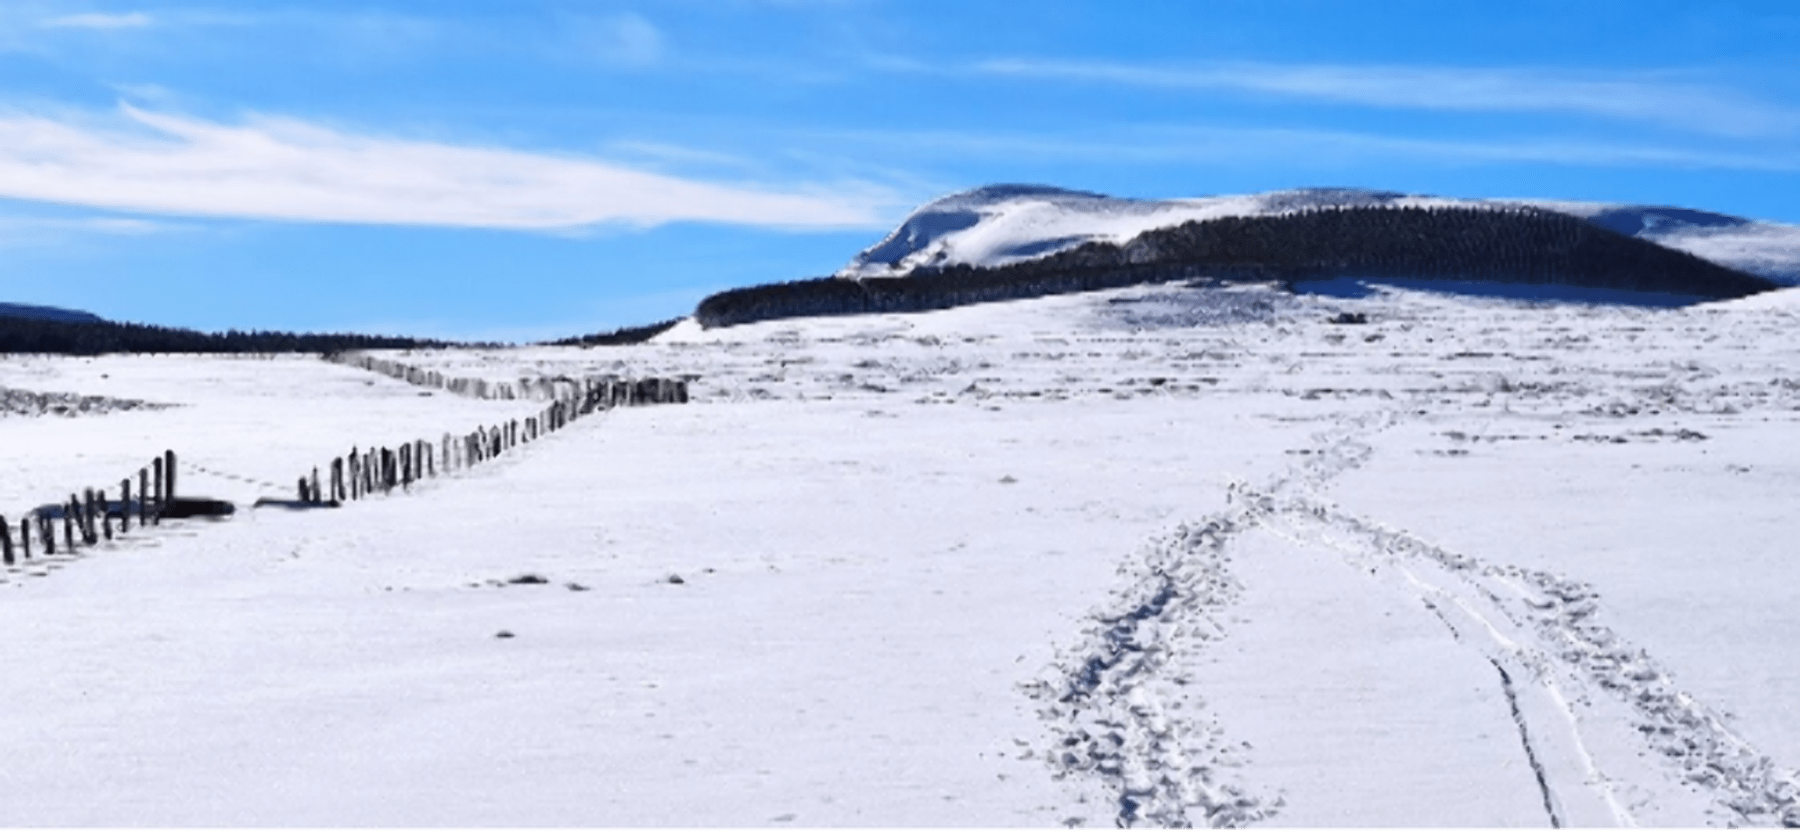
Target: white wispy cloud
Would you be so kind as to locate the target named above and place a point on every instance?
(100, 20)
(287, 169)
(1688, 106)
(625, 39)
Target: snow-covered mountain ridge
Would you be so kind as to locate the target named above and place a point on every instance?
(1000, 225)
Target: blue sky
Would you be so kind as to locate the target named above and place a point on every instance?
(519, 170)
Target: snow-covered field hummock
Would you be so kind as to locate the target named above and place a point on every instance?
(1157, 556)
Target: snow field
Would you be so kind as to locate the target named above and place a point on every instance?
(1158, 555)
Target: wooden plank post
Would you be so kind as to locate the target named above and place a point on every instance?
(124, 505)
(169, 471)
(156, 477)
(96, 516)
(105, 513)
(74, 510)
(84, 519)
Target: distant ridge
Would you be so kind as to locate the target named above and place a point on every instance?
(97, 337)
(47, 313)
(999, 225)
(1513, 244)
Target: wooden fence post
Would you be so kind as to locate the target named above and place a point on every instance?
(315, 486)
(25, 536)
(169, 471)
(81, 520)
(86, 507)
(300, 490)
(156, 475)
(6, 552)
(105, 513)
(68, 514)
(124, 505)
(143, 497)
(47, 533)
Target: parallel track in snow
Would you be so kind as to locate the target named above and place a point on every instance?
(1541, 632)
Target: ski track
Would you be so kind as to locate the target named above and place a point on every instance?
(1121, 712)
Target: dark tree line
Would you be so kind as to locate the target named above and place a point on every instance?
(620, 336)
(1524, 245)
(98, 337)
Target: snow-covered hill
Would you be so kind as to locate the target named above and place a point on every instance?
(1003, 224)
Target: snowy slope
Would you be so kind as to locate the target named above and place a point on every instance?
(1159, 555)
(1002, 224)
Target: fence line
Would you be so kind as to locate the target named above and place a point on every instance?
(366, 471)
(89, 518)
(541, 388)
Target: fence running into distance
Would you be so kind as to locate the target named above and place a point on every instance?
(92, 516)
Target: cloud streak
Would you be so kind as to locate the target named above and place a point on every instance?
(1687, 106)
(286, 169)
(100, 20)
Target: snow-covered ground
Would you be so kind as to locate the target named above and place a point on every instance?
(1159, 555)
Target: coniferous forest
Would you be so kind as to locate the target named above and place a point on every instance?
(98, 337)
(1520, 246)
